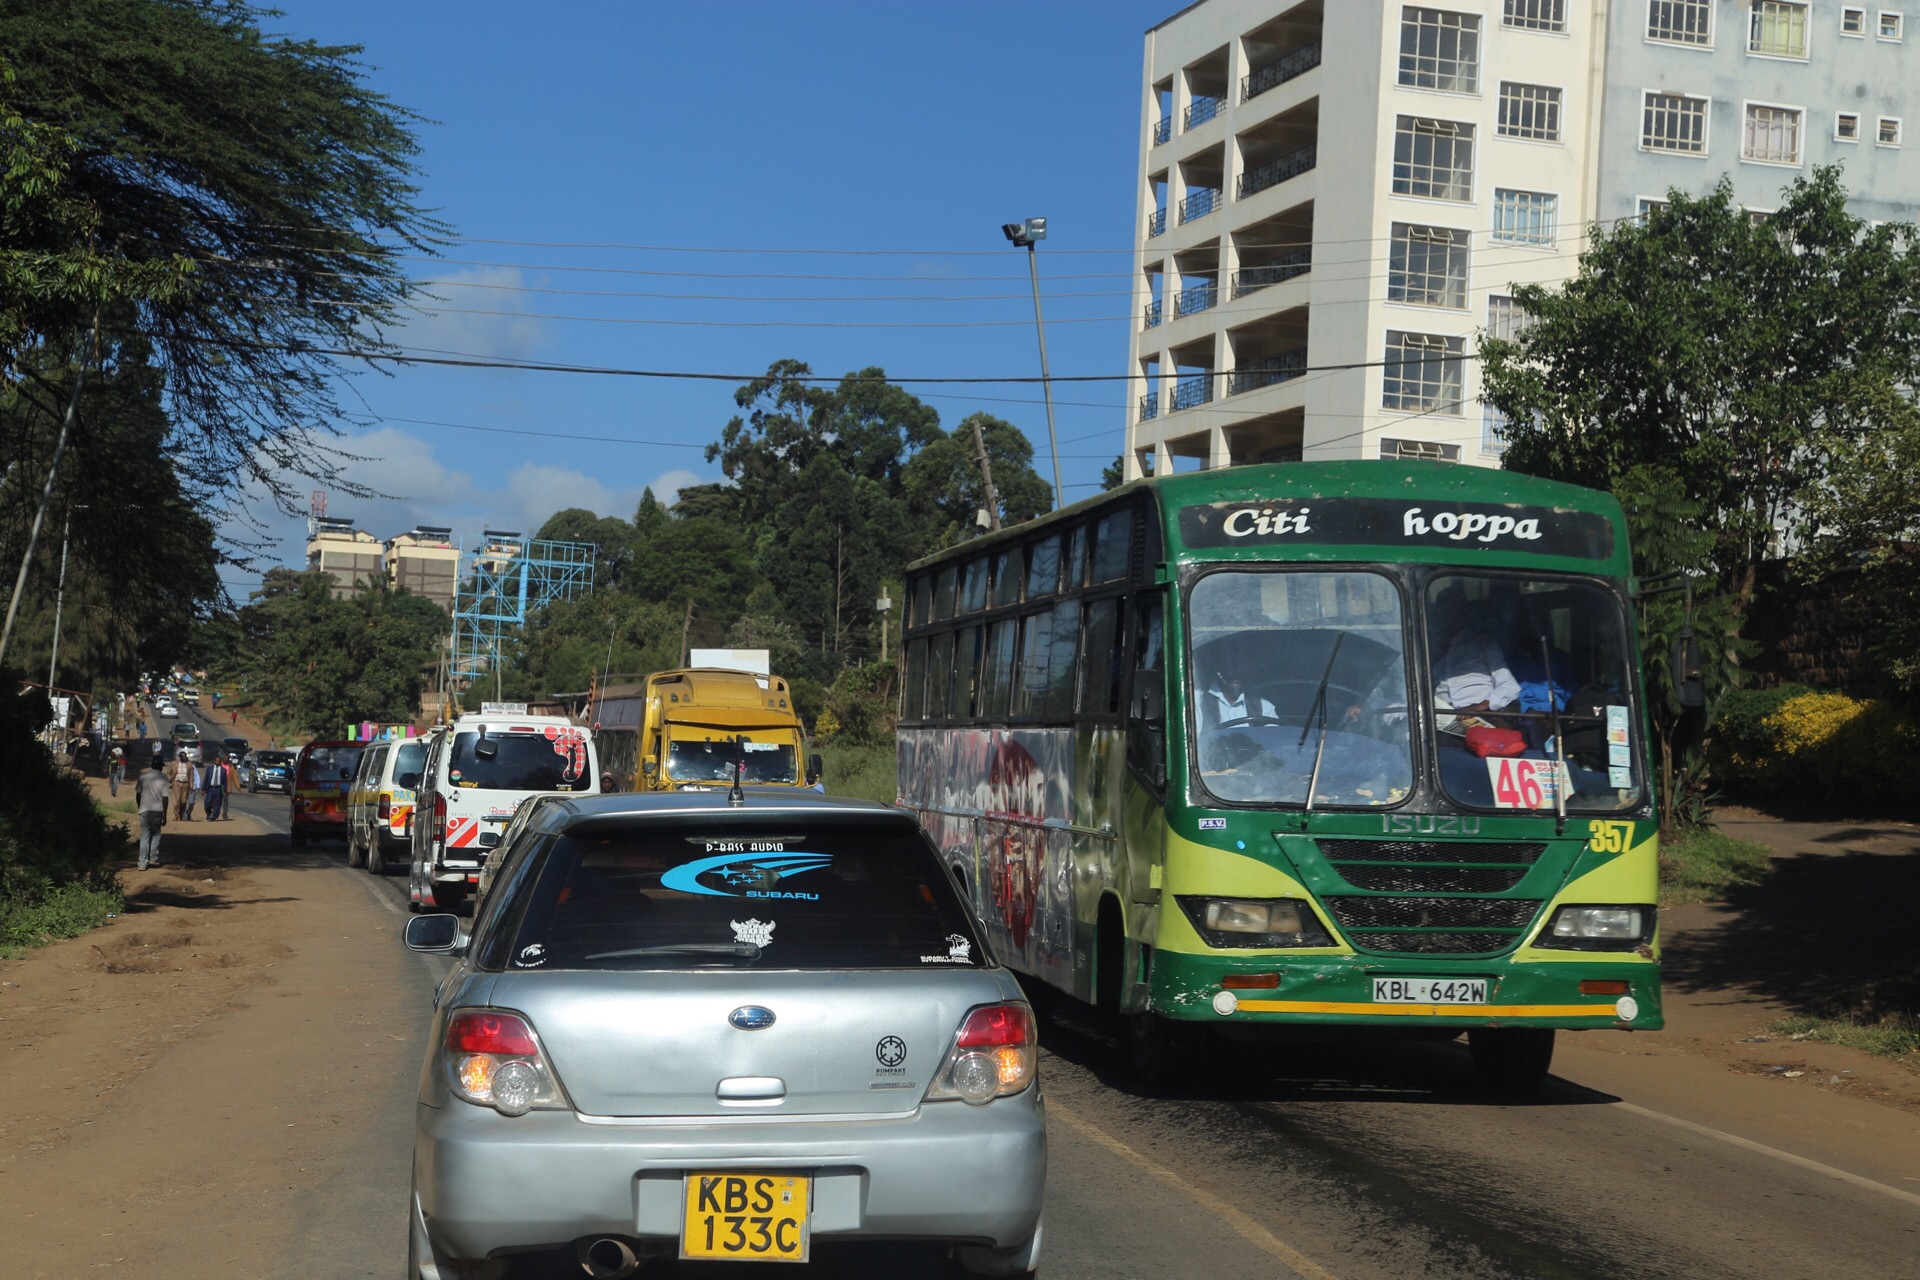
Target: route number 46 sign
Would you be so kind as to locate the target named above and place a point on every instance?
(1525, 784)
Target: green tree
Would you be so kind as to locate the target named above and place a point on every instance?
(944, 487)
(612, 538)
(1769, 364)
(1113, 475)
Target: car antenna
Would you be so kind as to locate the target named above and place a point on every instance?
(735, 798)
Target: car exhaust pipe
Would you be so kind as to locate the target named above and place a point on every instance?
(608, 1259)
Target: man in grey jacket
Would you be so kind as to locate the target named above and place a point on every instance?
(153, 791)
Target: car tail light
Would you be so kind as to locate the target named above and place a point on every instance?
(439, 818)
(493, 1059)
(994, 1055)
(386, 807)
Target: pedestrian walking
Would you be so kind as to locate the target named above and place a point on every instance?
(216, 784)
(197, 792)
(116, 770)
(236, 716)
(141, 728)
(152, 792)
(182, 784)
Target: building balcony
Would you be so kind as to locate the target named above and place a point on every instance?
(1200, 202)
(1275, 172)
(1149, 406)
(1151, 320)
(1156, 223)
(1203, 109)
(1279, 271)
(1201, 297)
(1279, 71)
(1189, 392)
(1284, 367)
(1162, 130)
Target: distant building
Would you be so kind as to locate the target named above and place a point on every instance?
(425, 562)
(335, 547)
(1336, 197)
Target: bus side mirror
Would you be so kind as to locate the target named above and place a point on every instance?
(1689, 683)
(815, 767)
(1149, 697)
(650, 767)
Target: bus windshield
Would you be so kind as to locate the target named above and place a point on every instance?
(1528, 672)
(1298, 672)
(710, 760)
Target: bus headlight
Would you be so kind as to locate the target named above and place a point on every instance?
(1254, 922)
(1619, 928)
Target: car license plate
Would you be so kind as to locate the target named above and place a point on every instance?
(747, 1217)
(1430, 990)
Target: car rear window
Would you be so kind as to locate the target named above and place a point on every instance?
(522, 762)
(273, 759)
(411, 757)
(329, 764)
(682, 893)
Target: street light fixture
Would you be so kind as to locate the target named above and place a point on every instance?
(1024, 235)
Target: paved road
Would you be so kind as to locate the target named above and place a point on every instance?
(1314, 1162)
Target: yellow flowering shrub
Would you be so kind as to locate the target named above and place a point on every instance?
(1840, 752)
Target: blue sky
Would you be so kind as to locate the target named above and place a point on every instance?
(898, 136)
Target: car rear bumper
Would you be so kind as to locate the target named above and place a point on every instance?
(948, 1172)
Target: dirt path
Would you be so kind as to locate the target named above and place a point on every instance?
(181, 1080)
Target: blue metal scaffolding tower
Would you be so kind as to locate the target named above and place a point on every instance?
(503, 578)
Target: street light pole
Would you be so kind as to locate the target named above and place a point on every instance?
(1025, 235)
(59, 600)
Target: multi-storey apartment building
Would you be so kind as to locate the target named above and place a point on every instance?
(426, 562)
(1336, 197)
(349, 554)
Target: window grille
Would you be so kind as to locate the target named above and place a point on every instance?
(1778, 28)
(1422, 372)
(1493, 431)
(1680, 21)
(1890, 25)
(1524, 217)
(1534, 15)
(1440, 50)
(1427, 266)
(1674, 122)
(1505, 319)
(1772, 135)
(1529, 111)
(1889, 135)
(1417, 451)
(1846, 126)
(1853, 22)
(1433, 158)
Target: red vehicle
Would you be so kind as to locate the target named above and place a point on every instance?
(322, 777)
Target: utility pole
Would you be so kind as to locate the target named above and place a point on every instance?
(60, 599)
(986, 472)
(686, 629)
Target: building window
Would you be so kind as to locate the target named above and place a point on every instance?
(1891, 25)
(1534, 15)
(1417, 451)
(1529, 111)
(1772, 135)
(1524, 217)
(1846, 126)
(1853, 21)
(1674, 122)
(1778, 29)
(1493, 431)
(1889, 134)
(1440, 50)
(1680, 21)
(1432, 158)
(1422, 372)
(1648, 207)
(1427, 266)
(1505, 320)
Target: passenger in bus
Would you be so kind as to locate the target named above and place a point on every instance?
(1472, 675)
(1226, 701)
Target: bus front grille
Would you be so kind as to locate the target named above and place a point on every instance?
(1418, 866)
(1429, 926)
(1390, 879)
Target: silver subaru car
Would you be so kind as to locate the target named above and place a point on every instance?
(688, 1027)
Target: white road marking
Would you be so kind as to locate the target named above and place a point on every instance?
(379, 895)
(1248, 1229)
(1748, 1144)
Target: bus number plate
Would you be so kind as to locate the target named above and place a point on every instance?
(746, 1217)
(1430, 990)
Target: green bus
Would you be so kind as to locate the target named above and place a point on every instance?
(1288, 750)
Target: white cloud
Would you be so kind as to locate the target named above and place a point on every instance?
(447, 321)
(667, 485)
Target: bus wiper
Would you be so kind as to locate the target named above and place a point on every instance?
(1319, 709)
(1560, 778)
(742, 950)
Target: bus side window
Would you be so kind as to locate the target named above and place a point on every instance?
(1147, 717)
(1101, 682)
(913, 690)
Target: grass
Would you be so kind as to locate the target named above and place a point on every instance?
(1702, 865)
(864, 772)
(54, 912)
(1887, 1039)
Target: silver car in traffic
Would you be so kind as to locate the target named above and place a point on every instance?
(684, 1027)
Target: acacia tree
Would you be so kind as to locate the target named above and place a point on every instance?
(1768, 364)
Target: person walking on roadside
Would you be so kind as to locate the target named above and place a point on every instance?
(236, 716)
(182, 780)
(197, 786)
(116, 770)
(216, 784)
(152, 791)
(141, 727)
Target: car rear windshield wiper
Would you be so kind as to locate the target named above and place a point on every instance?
(743, 950)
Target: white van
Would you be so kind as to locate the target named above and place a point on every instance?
(478, 770)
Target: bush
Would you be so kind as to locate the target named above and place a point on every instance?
(866, 773)
(51, 832)
(43, 911)
(1742, 743)
(860, 707)
(1807, 747)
